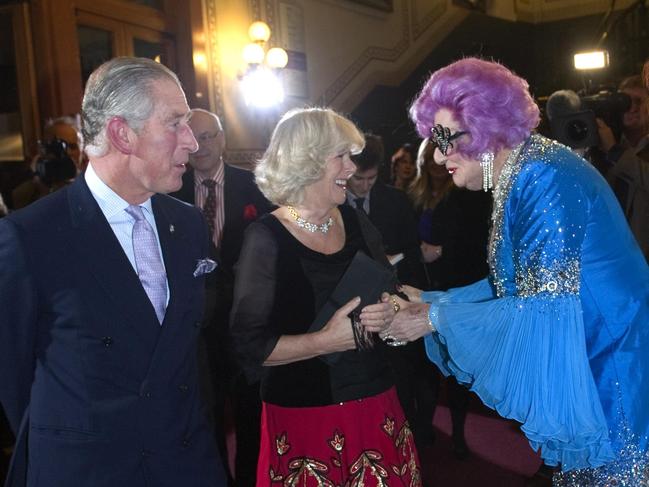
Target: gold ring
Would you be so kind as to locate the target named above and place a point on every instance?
(395, 305)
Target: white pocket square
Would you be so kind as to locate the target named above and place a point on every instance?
(204, 266)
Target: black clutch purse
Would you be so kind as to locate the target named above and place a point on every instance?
(366, 278)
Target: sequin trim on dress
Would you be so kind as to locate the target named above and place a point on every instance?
(629, 469)
(561, 277)
(501, 194)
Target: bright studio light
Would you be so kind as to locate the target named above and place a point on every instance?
(262, 88)
(591, 60)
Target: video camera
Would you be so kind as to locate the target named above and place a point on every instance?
(574, 124)
(54, 165)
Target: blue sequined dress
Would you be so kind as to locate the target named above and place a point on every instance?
(557, 337)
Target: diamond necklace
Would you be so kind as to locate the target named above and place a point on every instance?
(307, 225)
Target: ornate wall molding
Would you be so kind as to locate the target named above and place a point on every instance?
(421, 24)
(215, 87)
(255, 8)
(372, 53)
(539, 11)
(271, 9)
(243, 158)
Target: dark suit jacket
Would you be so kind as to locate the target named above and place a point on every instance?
(243, 203)
(108, 396)
(393, 216)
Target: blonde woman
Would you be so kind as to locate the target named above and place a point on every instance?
(327, 419)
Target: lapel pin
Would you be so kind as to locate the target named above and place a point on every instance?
(171, 229)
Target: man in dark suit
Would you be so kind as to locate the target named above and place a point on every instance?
(230, 201)
(388, 209)
(101, 299)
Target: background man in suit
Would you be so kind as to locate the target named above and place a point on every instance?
(230, 201)
(101, 300)
(388, 209)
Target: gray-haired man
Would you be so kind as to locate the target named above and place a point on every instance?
(101, 296)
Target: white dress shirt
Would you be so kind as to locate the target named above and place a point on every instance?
(121, 223)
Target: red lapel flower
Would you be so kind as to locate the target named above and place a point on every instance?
(249, 212)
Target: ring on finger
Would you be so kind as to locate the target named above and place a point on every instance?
(392, 342)
(395, 306)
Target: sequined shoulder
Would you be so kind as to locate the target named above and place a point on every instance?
(532, 161)
(544, 154)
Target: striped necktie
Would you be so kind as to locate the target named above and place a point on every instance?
(209, 208)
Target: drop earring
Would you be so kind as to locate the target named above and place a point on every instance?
(487, 165)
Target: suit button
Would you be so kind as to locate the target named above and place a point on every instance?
(197, 324)
(183, 387)
(107, 341)
(185, 442)
(145, 394)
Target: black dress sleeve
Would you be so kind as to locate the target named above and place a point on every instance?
(254, 295)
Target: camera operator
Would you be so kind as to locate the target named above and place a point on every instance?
(576, 121)
(59, 160)
(629, 175)
(634, 122)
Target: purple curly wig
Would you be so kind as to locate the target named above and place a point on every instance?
(486, 99)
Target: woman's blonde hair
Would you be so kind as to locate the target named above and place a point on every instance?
(296, 156)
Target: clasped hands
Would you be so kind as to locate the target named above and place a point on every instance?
(397, 321)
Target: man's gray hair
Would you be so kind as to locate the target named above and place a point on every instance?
(120, 87)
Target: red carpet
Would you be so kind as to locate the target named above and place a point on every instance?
(500, 454)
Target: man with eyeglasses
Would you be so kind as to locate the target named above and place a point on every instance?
(230, 201)
(630, 160)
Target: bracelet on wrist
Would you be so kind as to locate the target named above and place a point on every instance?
(363, 339)
(431, 310)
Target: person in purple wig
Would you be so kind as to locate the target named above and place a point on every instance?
(489, 101)
(556, 337)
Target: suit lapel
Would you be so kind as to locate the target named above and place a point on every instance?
(230, 198)
(171, 244)
(94, 241)
(174, 240)
(231, 204)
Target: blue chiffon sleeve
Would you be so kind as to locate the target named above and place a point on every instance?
(524, 351)
(473, 293)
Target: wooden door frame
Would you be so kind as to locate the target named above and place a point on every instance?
(25, 75)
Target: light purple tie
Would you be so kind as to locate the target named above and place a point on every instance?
(148, 262)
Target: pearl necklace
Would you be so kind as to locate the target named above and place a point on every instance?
(307, 225)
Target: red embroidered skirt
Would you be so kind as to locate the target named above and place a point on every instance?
(365, 442)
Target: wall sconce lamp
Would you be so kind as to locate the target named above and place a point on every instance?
(261, 84)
